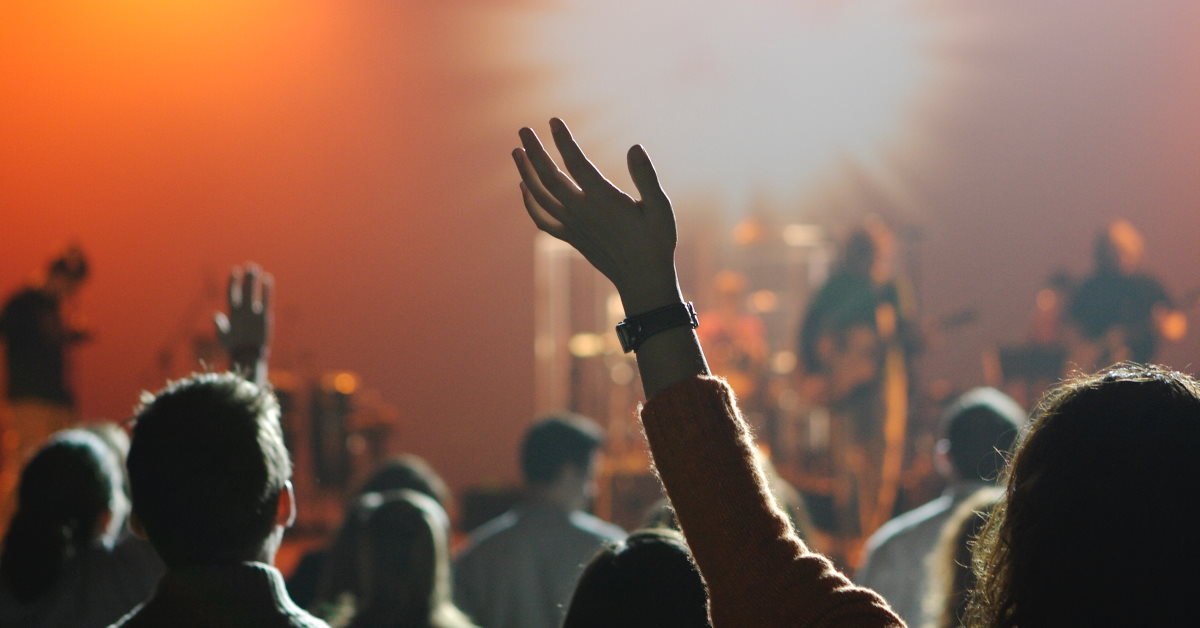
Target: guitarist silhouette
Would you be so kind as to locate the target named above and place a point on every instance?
(1119, 314)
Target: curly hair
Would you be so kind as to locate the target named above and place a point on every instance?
(1056, 551)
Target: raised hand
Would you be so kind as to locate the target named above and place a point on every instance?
(631, 241)
(245, 332)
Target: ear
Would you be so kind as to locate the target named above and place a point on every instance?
(136, 527)
(285, 511)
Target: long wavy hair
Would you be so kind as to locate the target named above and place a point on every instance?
(404, 563)
(341, 571)
(948, 568)
(1096, 526)
(65, 489)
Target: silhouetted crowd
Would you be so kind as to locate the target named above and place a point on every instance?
(1073, 515)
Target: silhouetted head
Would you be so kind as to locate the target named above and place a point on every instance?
(117, 440)
(1119, 248)
(648, 580)
(858, 257)
(870, 250)
(1096, 526)
(209, 471)
(67, 272)
(68, 498)
(403, 562)
(557, 444)
(408, 471)
(978, 430)
(342, 572)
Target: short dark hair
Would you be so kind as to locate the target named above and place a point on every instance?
(555, 442)
(71, 265)
(647, 580)
(981, 427)
(206, 467)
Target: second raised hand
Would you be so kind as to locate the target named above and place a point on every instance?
(245, 332)
(632, 242)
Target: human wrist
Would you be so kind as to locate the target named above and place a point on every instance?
(636, 330)
(645, 296)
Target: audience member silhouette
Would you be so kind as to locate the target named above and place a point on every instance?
(976, 431)
(59, 565)
(758, 572)
(323, 575)
(1095, 527)
(210, 478)
(646, 581)
(402, 560)
(36, 337)
(518, 570)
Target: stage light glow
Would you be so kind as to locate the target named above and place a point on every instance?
(737, 101)
(345, 383)
(586, 345)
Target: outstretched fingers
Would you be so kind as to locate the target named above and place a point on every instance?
(641, 170)
(533, 183)
(250, 281)
(266, 283)
(577, 163)
(540, 216)
(234, 289)
(554, 180)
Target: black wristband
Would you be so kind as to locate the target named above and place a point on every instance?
(634, 330)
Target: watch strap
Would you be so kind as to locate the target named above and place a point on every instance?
(634, 330)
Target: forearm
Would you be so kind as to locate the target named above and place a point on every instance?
(668, 357)
(757, 570)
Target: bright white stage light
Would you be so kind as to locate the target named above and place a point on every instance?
(736, 101)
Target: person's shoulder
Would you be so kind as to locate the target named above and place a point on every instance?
(20, 300)
(904, 525)
(30, 296)
(597, 527)
(1147, 283)
(490, 533)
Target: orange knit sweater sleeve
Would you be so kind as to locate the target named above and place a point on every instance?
(758, 572)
